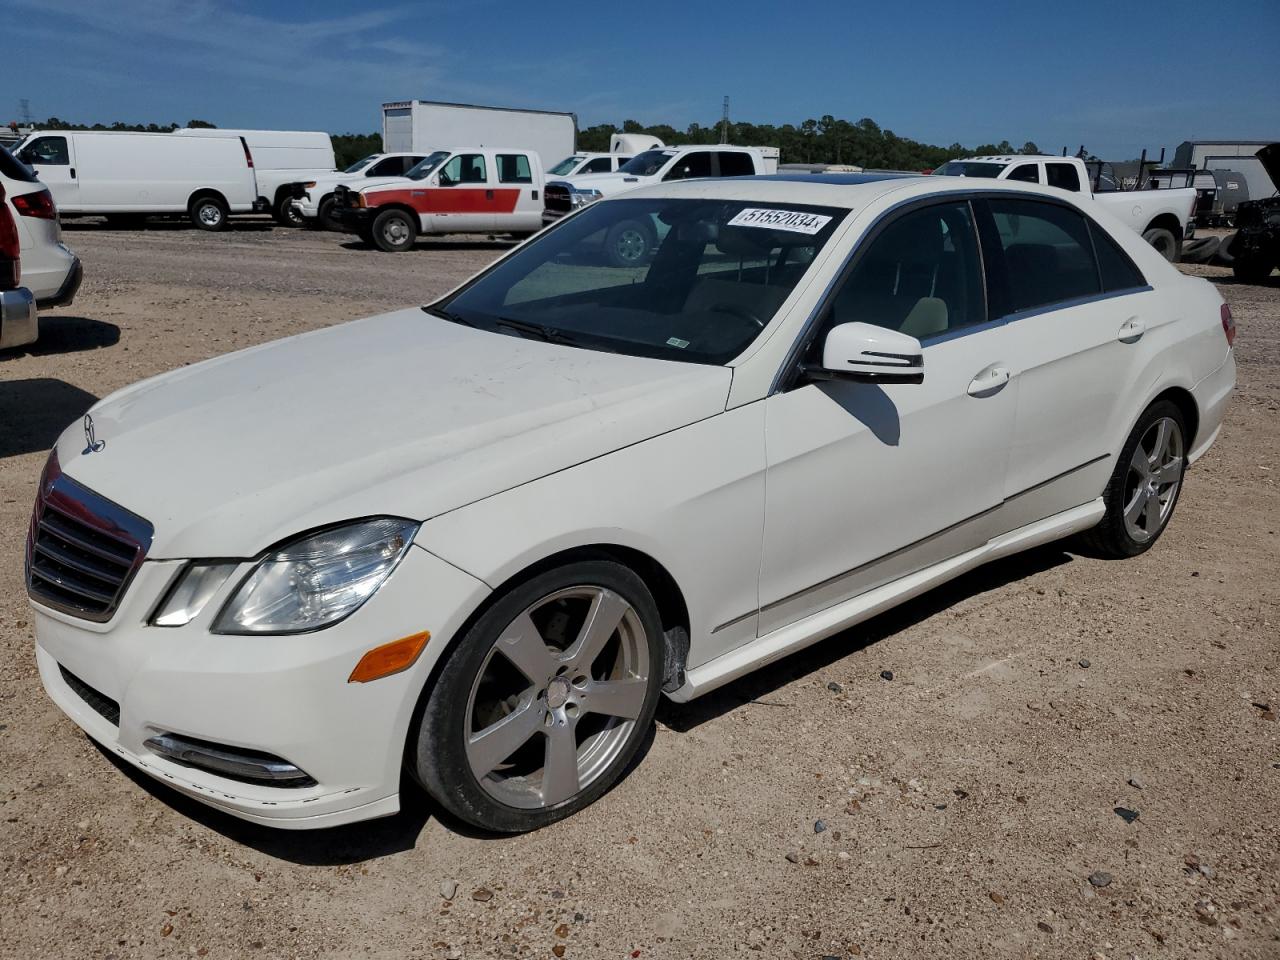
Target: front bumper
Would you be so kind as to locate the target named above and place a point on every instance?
(19, 322)
(287, 696)
(354, 219)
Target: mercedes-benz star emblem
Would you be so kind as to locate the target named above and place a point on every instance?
(91, 443)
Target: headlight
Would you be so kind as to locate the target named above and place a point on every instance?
(318, 579)
(308, 185)
(580, 198)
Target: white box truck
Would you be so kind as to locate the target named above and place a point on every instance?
(128, 176)
(281, 158)
(426, 125)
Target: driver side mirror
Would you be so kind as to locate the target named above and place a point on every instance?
(865, 353)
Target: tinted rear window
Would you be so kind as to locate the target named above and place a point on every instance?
(13, 169)
(1118, 271)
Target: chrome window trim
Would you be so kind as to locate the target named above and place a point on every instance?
(1073, 302)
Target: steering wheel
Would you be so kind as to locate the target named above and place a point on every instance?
(742, 313)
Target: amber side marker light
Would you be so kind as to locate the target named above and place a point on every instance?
(389, 658)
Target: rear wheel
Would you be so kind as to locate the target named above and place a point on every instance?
(208, 213)
(394, 231)
(1144, 487)
(1164, 241)
(285, 214)
(542, 705)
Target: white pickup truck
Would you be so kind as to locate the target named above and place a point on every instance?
(1160, 216)
(313, 199)
(629, 242)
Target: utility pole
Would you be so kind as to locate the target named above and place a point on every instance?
(724, 121)
(24, 108)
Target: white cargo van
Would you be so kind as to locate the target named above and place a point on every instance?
(281, 158)
(132, 175)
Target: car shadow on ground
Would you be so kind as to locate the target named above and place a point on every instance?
(64, 334)
(369, 840)
(164, 226)
(498, 244)
(36, 412)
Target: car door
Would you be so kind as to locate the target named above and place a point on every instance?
(1076, 322)
(461, 197)
(516, 203)
(866, 482)
(53, 158)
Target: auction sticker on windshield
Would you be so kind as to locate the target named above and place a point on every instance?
(793, 220)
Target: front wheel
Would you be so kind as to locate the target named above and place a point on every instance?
(1144, 487)
(543, 703)
(285, 213)
(627, 244)
(394, 231)
(1164, 241)
(209, 213)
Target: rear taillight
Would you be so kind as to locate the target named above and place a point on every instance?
(10, 269)
(1228, 325)
(39, 205)
(248, 157)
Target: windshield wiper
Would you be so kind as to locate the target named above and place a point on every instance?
(446, 315)
(538, 331)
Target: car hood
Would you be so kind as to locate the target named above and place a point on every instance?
(378, 183)
(1270, 158)
(403, 414)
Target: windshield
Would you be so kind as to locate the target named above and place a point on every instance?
(970, 168)
(565, 166)
(422, 169)
(361, 164)
(647, 164)
(678, 279)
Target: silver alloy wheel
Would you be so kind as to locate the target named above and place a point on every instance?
(631, 245)
(395, 231)
(210, 214)
(1151, 486)
(571, 671)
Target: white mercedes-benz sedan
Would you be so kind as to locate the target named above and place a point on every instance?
(478, 539)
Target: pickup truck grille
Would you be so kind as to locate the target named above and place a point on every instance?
(82, 549)
(556, 198)
(343, 196)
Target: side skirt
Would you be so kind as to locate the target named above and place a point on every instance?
(825, 623)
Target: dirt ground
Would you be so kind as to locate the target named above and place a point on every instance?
(967, 801)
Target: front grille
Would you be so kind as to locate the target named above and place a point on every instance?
(101, 704)
(82, 549)
(343, 196)
(556, 198)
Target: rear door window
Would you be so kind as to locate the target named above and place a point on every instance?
(1117, 270)
(694, 164)
(734, 164)
(514, 168)
(1047, 254)
(1063, 176)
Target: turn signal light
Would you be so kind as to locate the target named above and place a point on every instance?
(1228, 325)
(389, 658)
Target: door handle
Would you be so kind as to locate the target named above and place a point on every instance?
(1131, 330)
(73, 173)
(990, 381)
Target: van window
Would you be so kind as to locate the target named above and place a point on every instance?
(694, 164)
(598, 165)
(1025, 172)
(465, 168)
(1063, 176)
(921, 275)
(47, 151)
(734, 164)
(1048, 256)
(514, 168)
(1117, 270)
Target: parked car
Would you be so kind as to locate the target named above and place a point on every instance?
(471, 190)
(630, 243)
(50, 271)
(480, 539)
(19, 323)
(1255, 246)
(1162, 217)
(129, 176)
(281, 158)
(313, 199)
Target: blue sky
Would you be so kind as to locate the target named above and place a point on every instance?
(1115, 76)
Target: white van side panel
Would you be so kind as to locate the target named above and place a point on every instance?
(158, 173)
(277, 149)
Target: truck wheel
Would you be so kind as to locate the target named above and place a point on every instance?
(1164, 241)
(627, 244)
(324, 216)
(1225, 257)
(208, 213)
(285, 214)
(394, 231)
(1251, 269)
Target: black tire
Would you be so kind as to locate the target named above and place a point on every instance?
(1111, 537)
(628, 244)
(1165, 243)
(284, 213)
(1225, 255)
(324, 216)
(394, 231)
(208, 213)
(1200, 251)
(1251, 269)
(436, 752)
